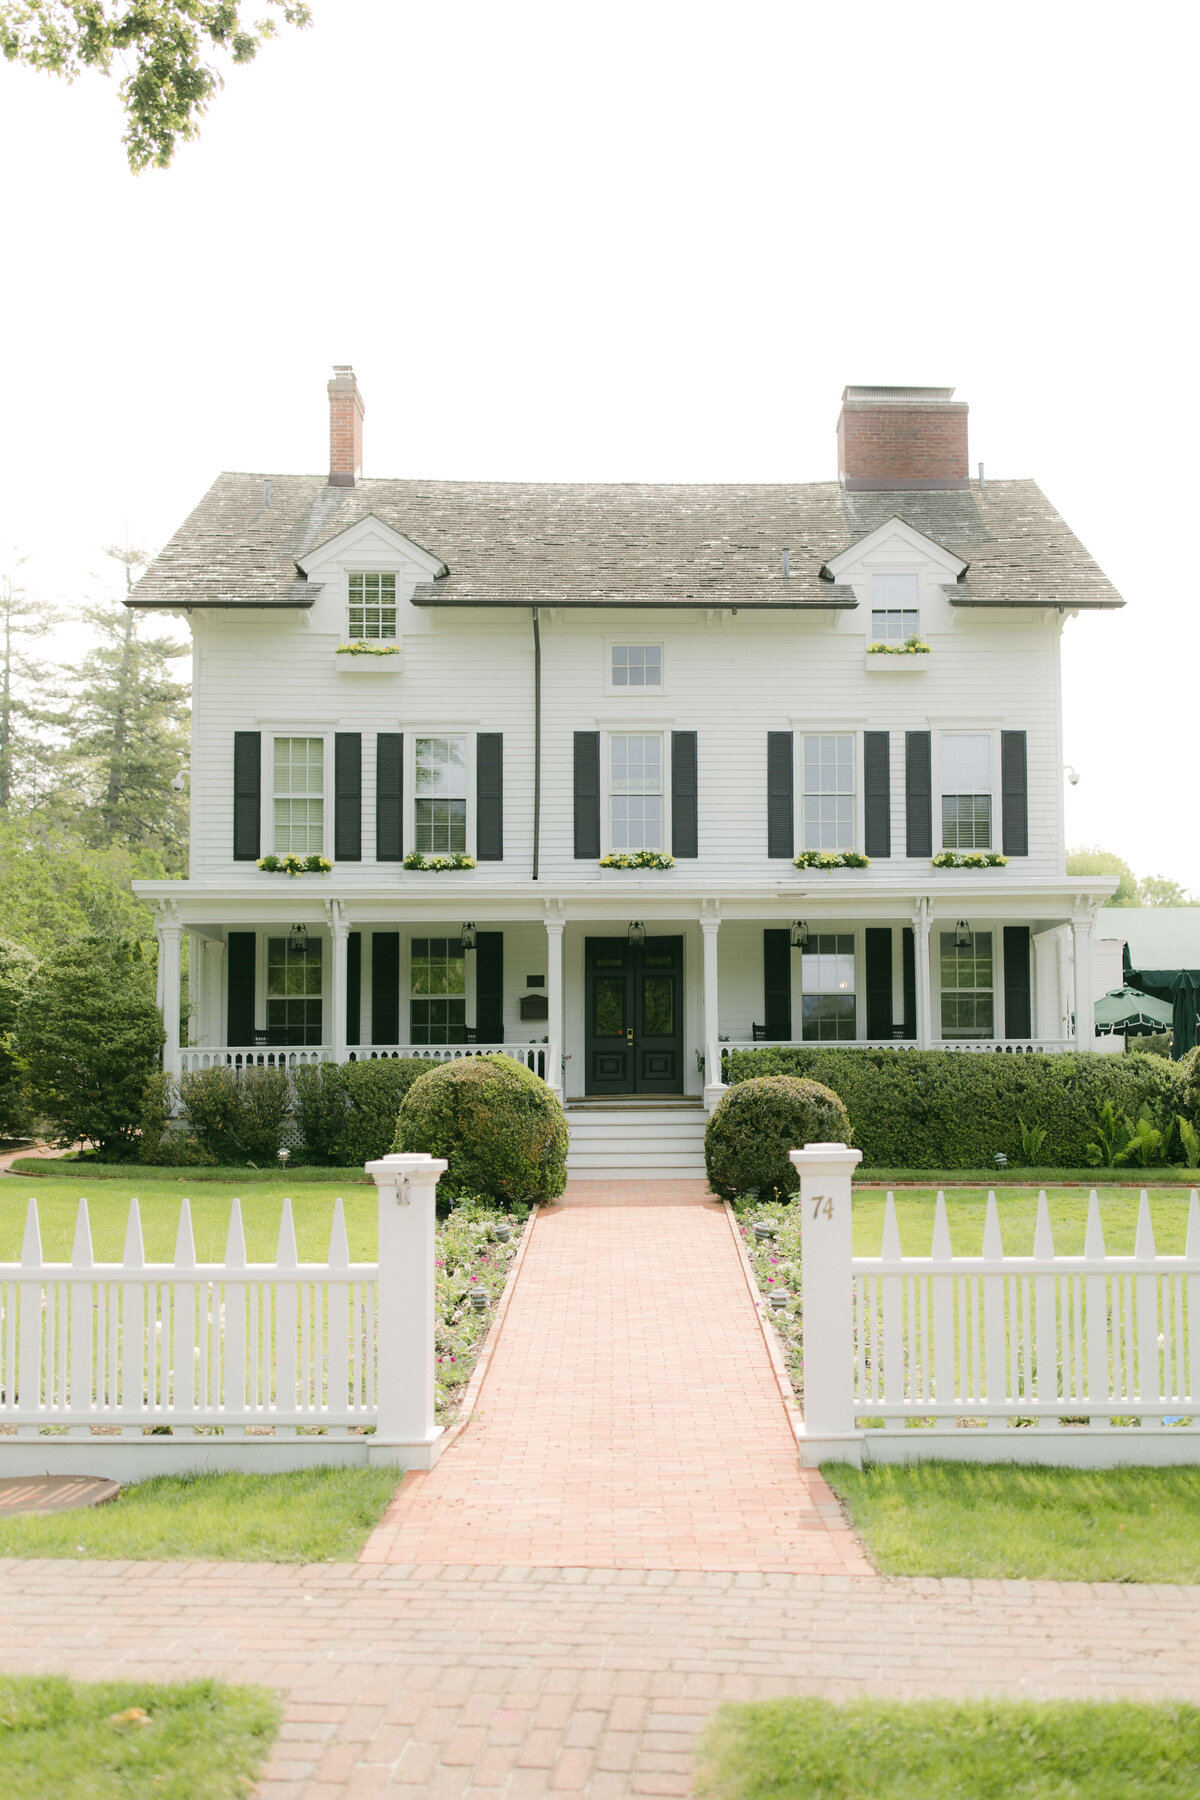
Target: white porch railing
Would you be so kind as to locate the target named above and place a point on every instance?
(1092, 1359)
(998, 1046)
(243, 1365)
(532, 1056)
(193, 1057)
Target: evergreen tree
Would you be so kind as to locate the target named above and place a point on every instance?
(130, 731)
(28, 691)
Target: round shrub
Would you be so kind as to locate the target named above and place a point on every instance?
(499, 1127)
(755, 1125)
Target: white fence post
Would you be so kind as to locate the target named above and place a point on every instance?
(827, 1302)
(406, 1433)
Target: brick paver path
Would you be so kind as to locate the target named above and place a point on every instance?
(630, 1417)
(567, 1627)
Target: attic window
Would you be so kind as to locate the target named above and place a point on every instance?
(372, 607)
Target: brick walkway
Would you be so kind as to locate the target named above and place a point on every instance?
(630, 1417)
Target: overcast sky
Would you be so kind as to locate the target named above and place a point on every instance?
(644, 242)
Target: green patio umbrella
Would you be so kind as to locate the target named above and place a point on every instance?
(1137, 1015)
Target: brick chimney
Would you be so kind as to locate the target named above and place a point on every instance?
(896, 438)
(346, 411)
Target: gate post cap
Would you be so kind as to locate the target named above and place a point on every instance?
(814, 1156)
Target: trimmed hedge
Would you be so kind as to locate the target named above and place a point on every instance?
(499, 1126)
(756, 1123)
(346, 1112)
(940, 1109)
(236, 1117)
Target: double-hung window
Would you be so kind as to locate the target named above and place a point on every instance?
(827, 980)
(372, 607)
(636, 790)
(895, 608)
(294, 991)
(299, 795)
(829, 791)
(636, 665)
(440, 805)
(438, 992)
(968, 986)
(966, 790)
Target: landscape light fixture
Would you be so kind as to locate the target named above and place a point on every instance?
(637, 932)
(799, 934)
(962, 935)
(468, 935)
(1000, 1160)
(298, 939)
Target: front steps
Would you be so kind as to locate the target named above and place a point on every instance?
(636, 1140)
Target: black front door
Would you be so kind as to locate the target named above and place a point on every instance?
(634, 1016)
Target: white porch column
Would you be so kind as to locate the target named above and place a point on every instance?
(169, 939)
(713, 1085)
(921, 927)
(339, 933)
(554, 1004)
(1081, 943)
(406, 1432)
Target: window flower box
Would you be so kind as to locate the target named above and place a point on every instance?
(369, 656)
(637, 859)
(832, 859)
(969, 859)
(438, 865)
(295, 865)
(898, 659)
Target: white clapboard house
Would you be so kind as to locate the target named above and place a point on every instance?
(532, 679)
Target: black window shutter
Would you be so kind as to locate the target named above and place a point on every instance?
(777, 985)
(247, 795)
(877, 796)
(587, 795)
(489, 797)
(918, 793)
(1014, 793)
(1018, 993)
(389, 796)
(879, 981)
(354, 987)
(684, 837)
(385, 987)
(780, 802)
(347, 796)
(239, 977)
(489, 987)
(909, 974)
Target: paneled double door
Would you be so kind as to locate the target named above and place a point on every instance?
(634, 1016)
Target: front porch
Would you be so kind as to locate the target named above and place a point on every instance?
(640, 992)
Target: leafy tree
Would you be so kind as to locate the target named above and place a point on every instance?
(88, 1039)
(27, 692)
(54, 886)
(1159, 890)
(170, 84)
(16, 970)
(130, 732)
(1090, 859)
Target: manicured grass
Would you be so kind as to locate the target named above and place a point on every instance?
(1017, 1206)
(315, 1515)
(70, 1168)
(158, 1202)
(130, 1740)
(998, 1520)
(945, 1750)
(1159, 1175)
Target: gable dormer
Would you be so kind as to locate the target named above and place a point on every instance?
(898, 576)
(365, 577)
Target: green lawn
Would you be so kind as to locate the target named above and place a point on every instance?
(315, 1515)
(1159, 1174)
(1017, 1206)
(1000, 1520)
(945, 1750)
(72, 1168)
(131, 1740)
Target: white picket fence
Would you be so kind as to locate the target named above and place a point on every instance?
(134, 1368)
(1091, 1360)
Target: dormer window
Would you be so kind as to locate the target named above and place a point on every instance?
(372, 607)
(895, 608)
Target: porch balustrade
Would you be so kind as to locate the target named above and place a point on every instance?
(537, 1057)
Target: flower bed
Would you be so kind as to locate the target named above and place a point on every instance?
(776, 1265)
(469, 1259)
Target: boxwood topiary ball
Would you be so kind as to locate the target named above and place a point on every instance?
(755, 1125)
(499, 1126)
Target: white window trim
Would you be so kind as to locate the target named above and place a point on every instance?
(406, 961)
(999, 1022)
(830, 928)
(260, 969)
(807, 729)
(633, 638)
(267, 822)
(992, 733)
(367, 568)
(873, 606)
(642, 728)
(411, 734)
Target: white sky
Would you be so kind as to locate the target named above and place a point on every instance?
(644, 242)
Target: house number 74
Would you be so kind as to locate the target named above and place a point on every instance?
(822, 1203)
